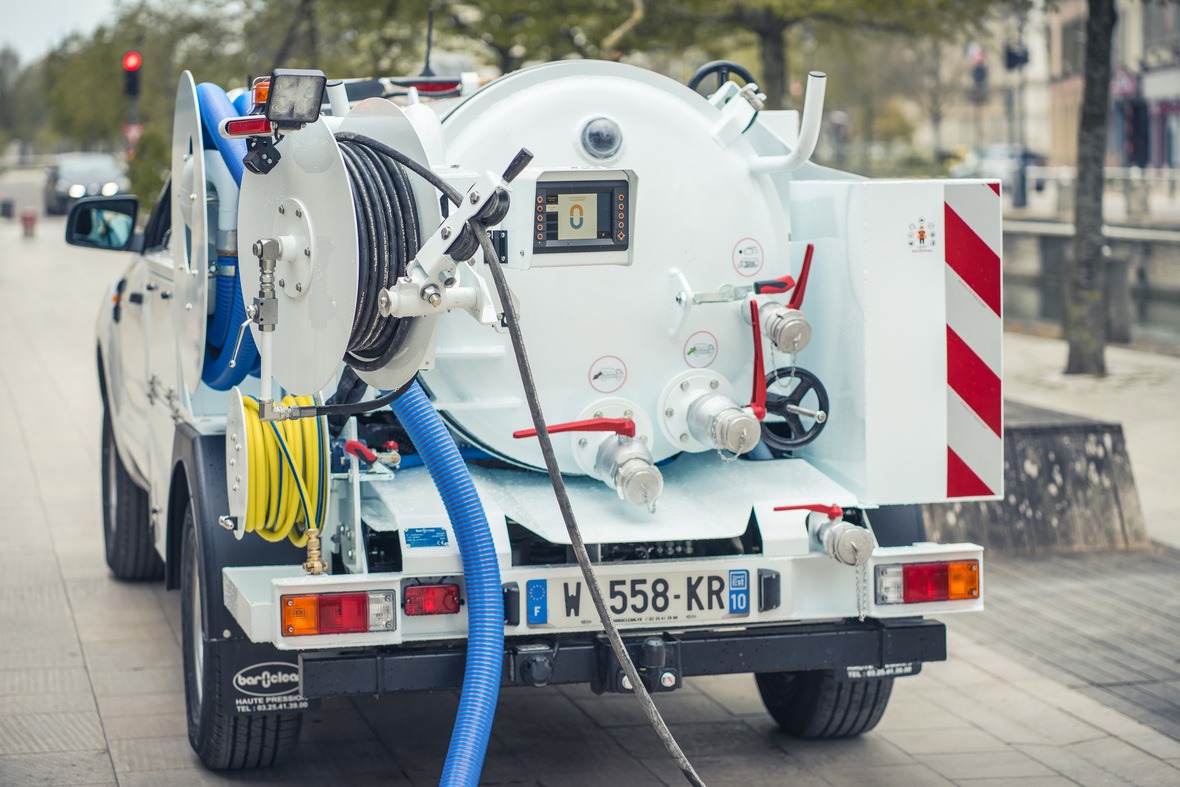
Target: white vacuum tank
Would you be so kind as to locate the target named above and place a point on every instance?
(632, 204)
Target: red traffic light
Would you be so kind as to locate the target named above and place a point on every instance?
(132, 61)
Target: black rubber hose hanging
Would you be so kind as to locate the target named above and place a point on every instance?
(534, 405)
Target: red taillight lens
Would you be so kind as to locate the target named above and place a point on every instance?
(941, 581)
(342, 613)
(253, 126)
(431, 600)
(924, 582)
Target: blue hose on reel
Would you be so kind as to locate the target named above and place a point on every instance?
(481, 575)
(229, 310)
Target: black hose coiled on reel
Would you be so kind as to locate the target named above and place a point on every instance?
(388, 238)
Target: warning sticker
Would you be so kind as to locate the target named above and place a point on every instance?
(922, 236)
(608, 374)
(748, 257)
(700, 350)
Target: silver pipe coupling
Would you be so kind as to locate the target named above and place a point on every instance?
(842, 541)
(786, 328)
(627, 466)
(715, 419)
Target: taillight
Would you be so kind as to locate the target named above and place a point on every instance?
(912, 583)
(431, 599)
(251, 126)
(337, 613)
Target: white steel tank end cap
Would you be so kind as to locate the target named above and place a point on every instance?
(640, 482)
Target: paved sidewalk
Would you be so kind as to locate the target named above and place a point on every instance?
(1141, 391)
(90, 676)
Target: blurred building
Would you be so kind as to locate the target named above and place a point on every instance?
(1144, 88)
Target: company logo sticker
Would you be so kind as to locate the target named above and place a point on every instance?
(268, 679)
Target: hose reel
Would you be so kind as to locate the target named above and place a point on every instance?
(276, 473)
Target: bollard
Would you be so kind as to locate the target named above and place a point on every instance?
(28, 221)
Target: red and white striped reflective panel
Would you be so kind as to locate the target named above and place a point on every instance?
(974, 339)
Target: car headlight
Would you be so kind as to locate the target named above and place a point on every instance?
(77, 190)
(110, 189)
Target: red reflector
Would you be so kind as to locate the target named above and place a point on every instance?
(343, 613)
(253, 126)
(431, 600)
(925, 582)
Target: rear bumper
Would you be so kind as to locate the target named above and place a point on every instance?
(896, 646)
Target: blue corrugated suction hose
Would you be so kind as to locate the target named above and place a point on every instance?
(215, 107)
(481, 574)
(229, 310)
(222, 330)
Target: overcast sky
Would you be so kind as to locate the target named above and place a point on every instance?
(32, 27)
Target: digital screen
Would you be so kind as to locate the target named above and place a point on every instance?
(577, 216)
(589, 215)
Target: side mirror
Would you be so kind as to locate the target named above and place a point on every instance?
(103, 223)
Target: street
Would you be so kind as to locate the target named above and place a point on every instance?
(91, 690)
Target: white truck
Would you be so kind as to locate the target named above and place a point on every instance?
(746, 476)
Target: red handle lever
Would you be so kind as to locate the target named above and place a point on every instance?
(801, 288)
(834, 512)
(360, 450)
(774, 286)
(758, 395)
(623, 426)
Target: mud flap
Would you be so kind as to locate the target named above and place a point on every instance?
(261, 678)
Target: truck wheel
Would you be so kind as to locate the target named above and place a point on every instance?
(131, 553)
(820, 705)
(221, 737)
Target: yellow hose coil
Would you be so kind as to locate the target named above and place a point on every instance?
(288, 473)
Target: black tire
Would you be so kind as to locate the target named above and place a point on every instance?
(221, 737)
(131, 551)
(817, 705)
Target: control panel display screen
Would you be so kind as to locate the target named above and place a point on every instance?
(576, 216)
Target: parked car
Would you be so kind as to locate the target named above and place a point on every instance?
(76, 175)
(1002, 162)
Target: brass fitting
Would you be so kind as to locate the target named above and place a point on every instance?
(314, 564)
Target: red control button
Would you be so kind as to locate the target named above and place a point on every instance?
(620, 235)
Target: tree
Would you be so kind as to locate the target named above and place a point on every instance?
(1085, 305)
(771, 20)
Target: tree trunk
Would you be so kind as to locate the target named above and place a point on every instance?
(1085, 306)
(772, 54)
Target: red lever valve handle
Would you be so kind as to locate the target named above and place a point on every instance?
(758, 394)
(360, 450)
(622, 426)
(796, 301)
(774, 286)
(833, 512)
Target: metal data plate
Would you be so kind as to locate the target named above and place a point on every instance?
(190, 235)
(386, 122)
(313, 324)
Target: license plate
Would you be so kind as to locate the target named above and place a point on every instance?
(673, 597)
